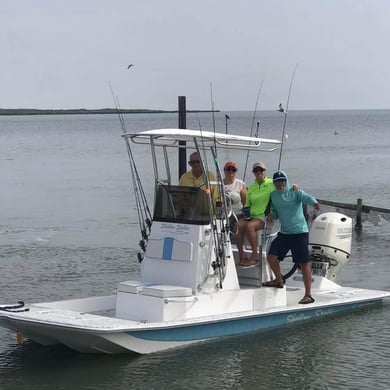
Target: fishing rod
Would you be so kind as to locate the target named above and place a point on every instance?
(285, 112)
(143, 211)
(257, 130)
(253, 124)
(212, 112)
(218, 232)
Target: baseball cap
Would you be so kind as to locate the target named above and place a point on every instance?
(279, 176)
(259, 165)
(230, 164)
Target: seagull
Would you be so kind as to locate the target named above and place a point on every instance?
(281, 109)
(130, 66)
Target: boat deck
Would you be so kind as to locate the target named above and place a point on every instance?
(65, 313)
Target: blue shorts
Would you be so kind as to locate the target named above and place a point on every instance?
(297, 243)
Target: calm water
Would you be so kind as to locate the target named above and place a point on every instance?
(67, 228)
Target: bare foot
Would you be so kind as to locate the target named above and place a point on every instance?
(242, 261)
(253, 260)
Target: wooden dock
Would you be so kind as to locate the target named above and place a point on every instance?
(359, 209)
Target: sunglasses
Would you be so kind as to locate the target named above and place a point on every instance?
(257, 170)
(191, 162)
(231, 169)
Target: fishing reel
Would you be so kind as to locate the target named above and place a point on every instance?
(140, 257)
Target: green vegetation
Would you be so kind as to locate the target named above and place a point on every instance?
(34, 111)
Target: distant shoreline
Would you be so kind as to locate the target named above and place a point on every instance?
(34, 111)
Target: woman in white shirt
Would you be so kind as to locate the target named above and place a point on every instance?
(235, 189)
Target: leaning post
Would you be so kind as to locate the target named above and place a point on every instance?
(359, 207)
(182, 117)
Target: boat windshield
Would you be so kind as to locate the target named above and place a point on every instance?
(181, 204)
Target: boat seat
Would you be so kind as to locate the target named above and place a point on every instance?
(165, 291)
(254, 276)
(260, 239)
(155, 290)
(131, 286)
(265, 236)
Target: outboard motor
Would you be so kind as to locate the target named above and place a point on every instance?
(330, 241)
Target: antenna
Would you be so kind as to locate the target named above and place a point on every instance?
(253, 124)
(285, 112)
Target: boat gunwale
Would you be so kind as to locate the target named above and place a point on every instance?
(142, 326)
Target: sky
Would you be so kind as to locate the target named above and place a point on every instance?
(62, 54)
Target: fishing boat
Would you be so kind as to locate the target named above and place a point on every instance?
(191, 288)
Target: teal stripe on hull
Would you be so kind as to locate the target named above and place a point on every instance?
(230, 327)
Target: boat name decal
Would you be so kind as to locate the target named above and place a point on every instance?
(304, 316)
(297, 317)
(174, 228)
(364, 304)
(324, 312)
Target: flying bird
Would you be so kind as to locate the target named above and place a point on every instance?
(130, 66)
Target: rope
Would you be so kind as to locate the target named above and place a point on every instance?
(17, 308)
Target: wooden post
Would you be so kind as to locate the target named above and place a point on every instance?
(227, 117)
(359, 206)
(182, 117)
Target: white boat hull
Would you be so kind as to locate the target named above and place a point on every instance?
(58, 322)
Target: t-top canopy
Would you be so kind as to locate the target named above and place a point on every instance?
(204, 139)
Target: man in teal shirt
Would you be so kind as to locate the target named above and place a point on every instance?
(294, 232)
